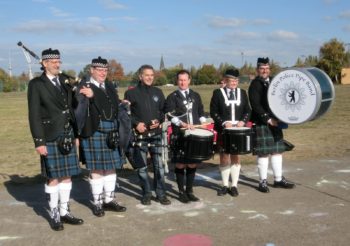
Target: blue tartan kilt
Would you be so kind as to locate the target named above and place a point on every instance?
(96, 152)
(56, 165)
(267, 140)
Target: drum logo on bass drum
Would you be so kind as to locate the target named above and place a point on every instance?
(292, 94)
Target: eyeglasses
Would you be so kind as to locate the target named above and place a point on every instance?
(105, 70)
(55, 62)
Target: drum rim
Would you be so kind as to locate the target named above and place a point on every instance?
(199, 130)
(238, 128)
(317, 86)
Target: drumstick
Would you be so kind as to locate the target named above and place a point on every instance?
(197, 126)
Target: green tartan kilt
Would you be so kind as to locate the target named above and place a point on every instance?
(267, 140)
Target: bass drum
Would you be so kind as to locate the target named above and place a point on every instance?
(297, 95)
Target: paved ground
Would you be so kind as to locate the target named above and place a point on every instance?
(317, 212)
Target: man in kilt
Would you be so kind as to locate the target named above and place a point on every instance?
(53, 127)
(229, 107)
(185, 109)
(97, 115)
(269, 135)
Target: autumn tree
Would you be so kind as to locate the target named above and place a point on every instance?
(332, 59)
(115, 71)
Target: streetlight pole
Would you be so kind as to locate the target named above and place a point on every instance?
(242, 54)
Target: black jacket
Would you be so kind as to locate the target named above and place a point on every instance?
(174, 104)
(49, 109)
(220, 112)
(147, 103)
(89, 111)
(261, 111)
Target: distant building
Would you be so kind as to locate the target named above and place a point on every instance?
(345, 76)
(161, 66)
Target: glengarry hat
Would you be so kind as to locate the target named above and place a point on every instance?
(50, 54)
(99, 62)
(262, 61)
(231, 73)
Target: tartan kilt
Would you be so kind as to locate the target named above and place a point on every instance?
(56, 165)
(96, 153)
(267, 140)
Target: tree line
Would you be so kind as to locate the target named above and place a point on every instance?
(332, 57)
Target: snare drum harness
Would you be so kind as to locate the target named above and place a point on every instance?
(234, 102)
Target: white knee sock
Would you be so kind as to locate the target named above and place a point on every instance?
(64, 193)
(225, 174)
(109, 186)
(52, 193)
(235, 168)
(97, 190)
(263, 164)
(276, 164)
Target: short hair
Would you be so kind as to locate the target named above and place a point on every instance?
(183, 71)
(144, 67)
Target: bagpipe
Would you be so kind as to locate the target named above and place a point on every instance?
(69, 79)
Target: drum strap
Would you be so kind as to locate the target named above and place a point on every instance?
(232, 103)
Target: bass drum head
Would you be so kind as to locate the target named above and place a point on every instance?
(297, 95)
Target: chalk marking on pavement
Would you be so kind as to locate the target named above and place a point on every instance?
(258, 216)
(325, 181)
(208, 177)
(319, 214)
(248, 211)
(342, 171)
(157, 209)
(2, 238)
(191, 214)
(286, 212)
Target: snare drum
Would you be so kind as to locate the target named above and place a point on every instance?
(237, 140)
(196, 144)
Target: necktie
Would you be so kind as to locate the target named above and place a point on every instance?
(57, 84)
(232, 95)
(187, 96)
(102, 87)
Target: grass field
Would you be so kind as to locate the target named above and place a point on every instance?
(327, 137)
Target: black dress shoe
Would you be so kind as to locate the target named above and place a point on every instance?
(70, 219)
(192, 197)
(113, 206)
(223, 191)
(263, 187)
(56, 225)
(98, 211)
(233, 191)
(163, 200)
(283, 184)
(146, 200)
(183, 197)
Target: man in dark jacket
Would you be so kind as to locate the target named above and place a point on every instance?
(147, 105)
(185, 109)
(97, 114)
(53, 127)
(269, 135)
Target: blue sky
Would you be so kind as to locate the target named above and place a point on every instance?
(192, 32)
